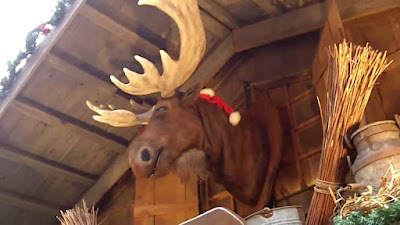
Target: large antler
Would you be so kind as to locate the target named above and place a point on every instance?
(120, 117)
(187, 16)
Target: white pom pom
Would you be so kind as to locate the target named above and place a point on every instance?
(234, 118)
(208, 91)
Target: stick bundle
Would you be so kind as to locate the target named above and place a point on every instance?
(79, 216)
(351, 75)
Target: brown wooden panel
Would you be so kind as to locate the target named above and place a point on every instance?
(379, 30)
(47, 136)
(245, 10)
(99, 47)
(70, 87)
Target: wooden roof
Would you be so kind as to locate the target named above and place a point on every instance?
(51, 151)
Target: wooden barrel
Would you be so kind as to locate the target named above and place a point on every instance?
(288, 215)
(378, 146)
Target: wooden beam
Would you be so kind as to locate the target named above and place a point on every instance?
(33, 109)
(45, 165)
(220, 13)
(163, 209)
(212, 64)
(112, 174)
(268, 7)
(302, 21)
(214, 26)
(40, 54)
(109, 24)
(25, 202)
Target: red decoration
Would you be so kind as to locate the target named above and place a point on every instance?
(218, 101)
(43, 28)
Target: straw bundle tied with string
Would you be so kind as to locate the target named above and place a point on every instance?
(351, 75)
(79, 216)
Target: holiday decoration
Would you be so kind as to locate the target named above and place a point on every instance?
(209, 95)
(351, 75)
(381, 208)
(30, 46)
(181, 122)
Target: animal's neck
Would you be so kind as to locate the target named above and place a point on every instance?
(236, 155)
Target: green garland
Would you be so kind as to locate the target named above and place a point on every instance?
(30, 46)
(381, 216)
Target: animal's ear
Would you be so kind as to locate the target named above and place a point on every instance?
(191, 95)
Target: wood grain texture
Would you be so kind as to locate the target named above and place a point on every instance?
(212, 64)
(220, 13)
(302, 21)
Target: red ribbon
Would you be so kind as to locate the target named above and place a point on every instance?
(43, 28)
(218, 101)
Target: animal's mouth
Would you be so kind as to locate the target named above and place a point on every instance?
(156, 164)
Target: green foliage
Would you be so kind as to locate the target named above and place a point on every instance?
(30, 47)
(381, 216)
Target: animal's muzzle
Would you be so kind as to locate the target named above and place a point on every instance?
(144, 160)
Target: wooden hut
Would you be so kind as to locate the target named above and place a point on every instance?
(52, 154)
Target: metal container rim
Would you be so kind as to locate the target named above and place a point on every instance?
(371, 125)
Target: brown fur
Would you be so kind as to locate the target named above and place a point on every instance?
(238, 157)
(191, 163)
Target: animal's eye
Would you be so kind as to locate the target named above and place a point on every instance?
(162, 108)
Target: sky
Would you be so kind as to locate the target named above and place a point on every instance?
(17, 18)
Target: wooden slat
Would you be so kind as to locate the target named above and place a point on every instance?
(115, 28)
(302, 21)
(39, 55)
(86, 130)
(395, 56)
(213, 25)
(22, 157)
(268, 7)
(112, 174)
(163, 209)
(212, 64)
(27, 203)
(220, 13)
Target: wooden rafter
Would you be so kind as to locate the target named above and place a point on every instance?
(34, 109)
(45, 165)
(212, 64)
(25, 202)
(302, 21)
(220, 13)
(112, 174)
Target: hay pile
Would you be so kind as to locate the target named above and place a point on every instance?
(366, 203)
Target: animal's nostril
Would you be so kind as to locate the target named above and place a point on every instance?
(145, 155)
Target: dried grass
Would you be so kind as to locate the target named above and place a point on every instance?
(352, 73)
(79, 216)
(367, 202)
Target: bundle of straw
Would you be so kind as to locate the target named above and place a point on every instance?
(79, 216)
(367, 202)
(351, 75)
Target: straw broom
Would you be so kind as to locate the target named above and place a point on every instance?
(352, 73)
(79, 216)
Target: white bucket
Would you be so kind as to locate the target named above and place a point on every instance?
(288, 215)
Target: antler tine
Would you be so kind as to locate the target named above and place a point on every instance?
(119, 117)
(136, 107)
(187, 16)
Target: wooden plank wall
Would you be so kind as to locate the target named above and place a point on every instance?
(282, 69)
(381, 31)
(299, 111)
(163, 201)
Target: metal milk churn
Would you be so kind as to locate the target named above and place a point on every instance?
(378, 146)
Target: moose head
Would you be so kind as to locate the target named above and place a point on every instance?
(173, 126)
(184, 131)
